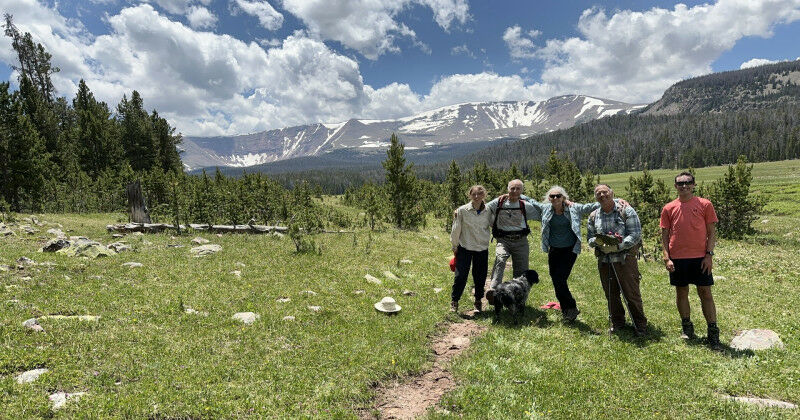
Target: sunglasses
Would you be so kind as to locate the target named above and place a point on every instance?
(684, 183)
(555, 195)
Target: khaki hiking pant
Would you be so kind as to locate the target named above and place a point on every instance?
(518, 250)
(629, 278)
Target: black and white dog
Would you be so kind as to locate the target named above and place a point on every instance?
(514, 294)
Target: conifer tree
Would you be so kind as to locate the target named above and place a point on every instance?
(400, 186)
(455, 193)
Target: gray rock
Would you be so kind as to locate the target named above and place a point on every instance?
(200, 241)
(33, 324)
(308, 293)
(315, 308)
(358, 292)
(54, 245)
(57, 232)
(756, 339)
(4, 268)
(30, 376)
(240, 264)
(288, 318)
(437, 289)
(117, 236)
(372, 279)
(283, 300)
(762, 402)
(83, 247)
(407, 292)
(236, 273)
(203, 250)
(60, 398)
(28, 229)
(132, 264)
(246, 317)
(119, 247)
(25, 261)
(406, 261)
(389, 275)
(89, 318)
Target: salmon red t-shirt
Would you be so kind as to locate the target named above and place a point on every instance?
(687, 224)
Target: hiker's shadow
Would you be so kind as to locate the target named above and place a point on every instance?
(531, 317)
(654, 334)
(723, 349)
(582, 327)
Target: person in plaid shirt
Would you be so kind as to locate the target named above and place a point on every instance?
(615, 233)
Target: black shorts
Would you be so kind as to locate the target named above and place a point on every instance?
(689, 271)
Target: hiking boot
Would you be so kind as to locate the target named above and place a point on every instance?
(478, 305)
(570, 314)
(713, 337)
(687, 330)
(614, 329)
(490, 296)
(454, 306)
(640, 331)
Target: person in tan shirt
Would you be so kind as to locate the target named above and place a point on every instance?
(470, 237)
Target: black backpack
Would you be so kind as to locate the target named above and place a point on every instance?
(499, 233)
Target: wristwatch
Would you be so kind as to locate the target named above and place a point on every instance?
(710, 253)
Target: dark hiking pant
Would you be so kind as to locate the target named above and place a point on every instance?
(480, 265)
(560, 262)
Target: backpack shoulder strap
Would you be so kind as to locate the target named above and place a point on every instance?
(496, 212)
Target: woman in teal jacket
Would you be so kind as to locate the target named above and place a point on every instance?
(561, 240)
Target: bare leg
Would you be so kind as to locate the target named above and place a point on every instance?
(707, 301)
(682, 300)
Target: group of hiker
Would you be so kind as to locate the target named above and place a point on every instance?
(613, 231)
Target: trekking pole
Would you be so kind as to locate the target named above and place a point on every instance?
(624, 298)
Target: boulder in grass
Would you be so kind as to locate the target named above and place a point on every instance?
(25, 261)
(28, 229)
(119, 247)
(391, 276)
(200, 241)
(54, 245)
(33, 324)
(5, 231)
(372, 279)
(4, 268)
(203, 250)
(132, 264)
(30, 376)
(762, 402)
(83, 247)
(57, 232)
(246, 317)
(60, 398)
(756, 339)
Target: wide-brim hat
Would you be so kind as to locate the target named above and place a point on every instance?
(453, 264)
(387, 305)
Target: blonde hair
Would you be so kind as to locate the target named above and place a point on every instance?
(557, 188)
(476, 187)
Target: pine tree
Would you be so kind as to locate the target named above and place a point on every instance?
(136, 133)
(735, 206)
(96, 137)
(400, 185)
(455, 193)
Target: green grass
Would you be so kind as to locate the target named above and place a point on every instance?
(147, 358)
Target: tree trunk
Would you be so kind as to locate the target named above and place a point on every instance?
(136, 205)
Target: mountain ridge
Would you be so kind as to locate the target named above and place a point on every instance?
(460, 123)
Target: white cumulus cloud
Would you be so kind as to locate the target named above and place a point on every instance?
(518, 45)
(200, 18)
(634, 56)
(370, 26)
(267, 16)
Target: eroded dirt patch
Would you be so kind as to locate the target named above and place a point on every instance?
(411, 397)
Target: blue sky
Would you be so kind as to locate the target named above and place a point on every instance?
(217, 67)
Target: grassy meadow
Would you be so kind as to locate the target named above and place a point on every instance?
(147, 357)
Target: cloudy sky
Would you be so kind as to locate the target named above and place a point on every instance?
(216, 67)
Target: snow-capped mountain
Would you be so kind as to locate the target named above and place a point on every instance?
(452, 124)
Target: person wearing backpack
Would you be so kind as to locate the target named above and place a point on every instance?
(510, 228)
(616, 233)
(470, 237)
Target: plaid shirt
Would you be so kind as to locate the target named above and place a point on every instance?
(630, 230)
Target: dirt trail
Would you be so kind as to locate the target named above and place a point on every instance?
(412, 397)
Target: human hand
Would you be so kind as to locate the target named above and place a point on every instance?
(707, 264)
(670, 266)
(568, 203)
(624, 203)
(607, 249)
(503, 197)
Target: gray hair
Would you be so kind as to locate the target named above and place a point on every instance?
(611, 190)
(558, 189)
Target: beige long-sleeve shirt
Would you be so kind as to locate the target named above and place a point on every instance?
(472, 229)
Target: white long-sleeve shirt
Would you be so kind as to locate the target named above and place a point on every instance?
(471, 229)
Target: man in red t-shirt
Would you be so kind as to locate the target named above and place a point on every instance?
(688, 236)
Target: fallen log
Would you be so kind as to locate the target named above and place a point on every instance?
(160, 227)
